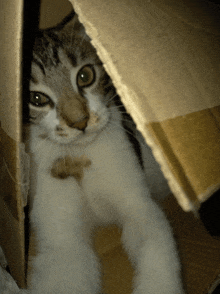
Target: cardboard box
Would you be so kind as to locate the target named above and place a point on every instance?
(163, 57)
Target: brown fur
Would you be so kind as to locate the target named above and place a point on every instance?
(72, 109)
(70, 167)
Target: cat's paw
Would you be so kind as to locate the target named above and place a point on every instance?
(70, 167)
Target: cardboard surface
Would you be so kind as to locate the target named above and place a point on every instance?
(191, 144)
(11, 198)
(11, 208)
(11, 69)
(199, 252)
(163, 57)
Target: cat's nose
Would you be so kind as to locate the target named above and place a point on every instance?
(80, 125)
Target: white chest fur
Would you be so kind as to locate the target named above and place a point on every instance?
(113, 189)
(111, 178)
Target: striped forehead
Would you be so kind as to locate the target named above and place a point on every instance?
(56, 78)
(77, 48)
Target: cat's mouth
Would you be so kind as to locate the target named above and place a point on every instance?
(96, 124)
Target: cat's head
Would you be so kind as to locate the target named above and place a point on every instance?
(69, 88)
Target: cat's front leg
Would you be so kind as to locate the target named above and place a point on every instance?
(70, 273)
(65, 262)
(148, 239)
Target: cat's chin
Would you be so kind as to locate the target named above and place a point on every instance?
(79, 139)
(87, 137)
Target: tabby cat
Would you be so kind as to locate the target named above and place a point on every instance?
(86, 172)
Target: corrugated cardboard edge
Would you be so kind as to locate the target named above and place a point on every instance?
(191, 145)
(140, 121)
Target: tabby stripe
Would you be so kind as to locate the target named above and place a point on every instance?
(72, 58)
(55, 56)
(52, 37)
(33, 80)
(40, 65)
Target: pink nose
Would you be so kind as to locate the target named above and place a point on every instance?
(80, 125)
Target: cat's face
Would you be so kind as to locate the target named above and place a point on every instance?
(70, 92)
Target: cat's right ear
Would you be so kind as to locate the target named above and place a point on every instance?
(71, 21)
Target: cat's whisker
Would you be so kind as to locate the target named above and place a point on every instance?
(127, 118)
(111, 98)
(117, 106)
(108, 85)
(83, 39)
(122, 112)
(129, 121)
(118, 110)
(106, 135)
(111, 109)
(121, 127)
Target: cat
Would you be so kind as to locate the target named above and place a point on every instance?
(86, 172)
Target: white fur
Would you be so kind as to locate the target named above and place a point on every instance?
(113, 190)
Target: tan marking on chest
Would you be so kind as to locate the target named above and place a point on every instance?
(70, 167)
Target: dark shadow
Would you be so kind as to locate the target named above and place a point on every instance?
(30, 27)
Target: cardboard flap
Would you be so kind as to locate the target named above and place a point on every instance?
(163, 57)
(11, 186)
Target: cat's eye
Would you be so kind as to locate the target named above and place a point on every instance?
(39, 99)
(86, 76)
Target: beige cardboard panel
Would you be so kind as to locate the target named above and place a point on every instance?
(11, 209)
(171, 167)
(11, 202)
(191, 146)
(200, 14)
(12, 242)
(163, 57)
(169, 66)
(10, 64)
(195, 139)
(8, 173)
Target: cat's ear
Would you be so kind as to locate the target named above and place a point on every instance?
(71, 22)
